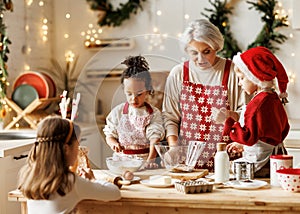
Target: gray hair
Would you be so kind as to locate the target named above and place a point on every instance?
(202, 30)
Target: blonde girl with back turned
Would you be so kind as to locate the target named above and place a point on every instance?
(46, 179)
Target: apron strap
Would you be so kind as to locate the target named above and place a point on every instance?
(226, 73)
(225, 76)
(148, 106)
(186, 71)
(125, 108)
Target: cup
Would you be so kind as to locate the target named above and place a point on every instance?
(243, 170)
(279, 162)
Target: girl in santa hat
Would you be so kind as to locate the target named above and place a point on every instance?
(263, 124)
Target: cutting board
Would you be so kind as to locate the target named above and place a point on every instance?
(185, 176)
(199, 173)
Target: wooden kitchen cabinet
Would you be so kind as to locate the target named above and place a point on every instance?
(9, 168)
(93, 138)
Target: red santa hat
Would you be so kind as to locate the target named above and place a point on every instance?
(261, 67)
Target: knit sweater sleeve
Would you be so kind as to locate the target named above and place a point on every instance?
(265, 120)
(112, 121)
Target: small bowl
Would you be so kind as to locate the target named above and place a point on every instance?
(289, 179)
(119, 165)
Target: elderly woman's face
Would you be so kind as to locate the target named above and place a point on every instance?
(202, 54)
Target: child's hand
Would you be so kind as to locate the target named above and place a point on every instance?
(86, 173)
(150, 164)
(219, 115)
(235, 148)
(116, 147)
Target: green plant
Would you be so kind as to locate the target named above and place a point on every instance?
(5, 5)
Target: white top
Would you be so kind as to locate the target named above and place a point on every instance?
(154, 130)
(211, 76)
(83, 189)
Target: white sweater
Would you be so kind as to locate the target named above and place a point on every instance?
(83, 189)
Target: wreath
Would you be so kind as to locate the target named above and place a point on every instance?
(268, 34)
(114, 17)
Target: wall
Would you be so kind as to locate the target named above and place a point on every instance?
(245, 24)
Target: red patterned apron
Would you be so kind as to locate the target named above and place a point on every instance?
(132, 134)
(196, 103)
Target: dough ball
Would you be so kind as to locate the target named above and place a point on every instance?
(128, 175)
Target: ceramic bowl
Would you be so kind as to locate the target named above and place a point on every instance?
(289, 179)
(118, 165)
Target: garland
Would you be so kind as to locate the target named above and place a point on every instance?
(4, 42)
(114, 17)
(267, 36)
(219, 18)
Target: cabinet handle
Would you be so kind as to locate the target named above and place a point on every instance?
(83, 139)
(20, 157)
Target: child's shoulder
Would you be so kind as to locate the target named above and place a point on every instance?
(264, 99)
(119, 107)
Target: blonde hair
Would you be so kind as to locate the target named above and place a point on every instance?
(46, 171)
(202, 30)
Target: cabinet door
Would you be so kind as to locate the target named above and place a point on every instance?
(9, 168)
(92, 141)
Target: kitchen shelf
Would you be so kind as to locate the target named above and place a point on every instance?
(33, 113)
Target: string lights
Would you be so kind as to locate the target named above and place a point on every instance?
(92, 36)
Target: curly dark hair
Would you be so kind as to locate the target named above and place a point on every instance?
(137, 67)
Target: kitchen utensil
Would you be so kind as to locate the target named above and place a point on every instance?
(246, 184)
(23, 95)
(200, 186)
(279, 162)
(36, 80)
(51, 84)
(118, 181)
(289, 179)
(194, 150)
(243, 170)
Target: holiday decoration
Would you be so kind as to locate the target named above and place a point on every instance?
(219, 17)
(267, 36)
(114, 17)
(4, 42)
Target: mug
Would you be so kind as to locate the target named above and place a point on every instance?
(279, 162)
(243, 170)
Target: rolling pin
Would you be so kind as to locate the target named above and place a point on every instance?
(118, 181)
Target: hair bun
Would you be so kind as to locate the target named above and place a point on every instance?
(136, 61)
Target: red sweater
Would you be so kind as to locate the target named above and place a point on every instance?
(265, 120)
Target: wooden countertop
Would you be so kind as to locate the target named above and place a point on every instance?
(138, 199)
